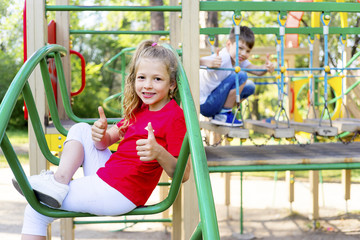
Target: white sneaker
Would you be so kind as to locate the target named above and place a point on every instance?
(46, 188)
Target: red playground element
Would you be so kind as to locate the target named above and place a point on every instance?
(51, 62)
(26, 117)
(83, 75)
(293, 21)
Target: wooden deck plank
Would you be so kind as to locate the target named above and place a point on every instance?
(356, 120)
(283, 154)
(269, 129)
(314, 128)
(233, 132)
(350, 127)
(343, 124)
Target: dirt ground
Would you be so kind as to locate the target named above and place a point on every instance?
(267, 213)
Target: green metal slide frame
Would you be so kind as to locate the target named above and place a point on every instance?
(192, 144)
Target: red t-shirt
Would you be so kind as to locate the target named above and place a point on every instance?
(124, 171)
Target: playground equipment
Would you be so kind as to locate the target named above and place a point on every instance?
(325, 17)
(247, 158)
(192, 143)
(190, 14)
(36, 17)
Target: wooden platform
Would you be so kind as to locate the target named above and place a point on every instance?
(343, 124)
(283, 154)
(233, 132)
(349, 120)
(348, 124)
(313, 128)
(269, 129)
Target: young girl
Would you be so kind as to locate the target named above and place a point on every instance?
(151, 135)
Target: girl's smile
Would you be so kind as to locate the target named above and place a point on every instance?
(152, 83)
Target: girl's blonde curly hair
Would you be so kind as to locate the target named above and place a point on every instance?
(152, 50)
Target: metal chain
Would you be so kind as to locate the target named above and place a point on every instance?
(206, 141)
(350, 141)
(260, 145)
(303, 144)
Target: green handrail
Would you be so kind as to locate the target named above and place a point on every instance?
(199, 162)
(109, 99)
(65, 94)
(121, 53)
(113, 8)
(356, 55)
(192, 142)
(278, 6)
(122, 71)
(275, 30)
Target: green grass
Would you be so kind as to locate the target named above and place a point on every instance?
(16, 137)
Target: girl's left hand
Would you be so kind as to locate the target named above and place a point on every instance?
(148, 149)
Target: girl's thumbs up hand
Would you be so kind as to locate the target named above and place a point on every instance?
(148, 149)
(98, 130)
(150, 131)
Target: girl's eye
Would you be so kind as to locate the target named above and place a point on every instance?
(157, 79)
(140, 77)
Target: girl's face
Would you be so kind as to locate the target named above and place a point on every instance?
(152, 83)
(244, 51)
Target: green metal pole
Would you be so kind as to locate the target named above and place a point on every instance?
(284, 167)
(241, 204)
(119, 32)
(162, 220)
(197, 234)
(278, 6)
(113, 8)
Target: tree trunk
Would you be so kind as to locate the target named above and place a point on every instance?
(212, 21)
(157, 19)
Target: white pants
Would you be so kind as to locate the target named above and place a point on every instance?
(88, 194)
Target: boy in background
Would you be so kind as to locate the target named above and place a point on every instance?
(218, 87)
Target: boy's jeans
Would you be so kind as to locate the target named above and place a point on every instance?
(216, 100)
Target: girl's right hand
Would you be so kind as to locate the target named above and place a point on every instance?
(98, 130)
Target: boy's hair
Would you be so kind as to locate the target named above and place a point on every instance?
(246, 35)
(154, 51)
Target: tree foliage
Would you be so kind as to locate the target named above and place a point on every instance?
(11, 52)
(99, 48)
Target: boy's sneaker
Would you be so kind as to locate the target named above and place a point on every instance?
(226, 119)
(46, 188)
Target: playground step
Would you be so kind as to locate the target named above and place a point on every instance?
(312, 127)
(269, 129)
(233, 132)
(343, 124)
